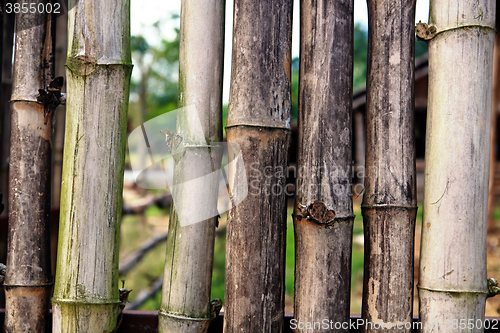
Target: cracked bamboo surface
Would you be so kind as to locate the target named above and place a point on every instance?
(185, 305)
(390, 200)
(98, 70)
(28, 281)
(323, 248)
(259, 118)
(452, 278)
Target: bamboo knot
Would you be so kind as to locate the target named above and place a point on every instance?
(215, 307)
(493, 289)
(424, 31)
(52, 97)
(3, 268)
(316, 212)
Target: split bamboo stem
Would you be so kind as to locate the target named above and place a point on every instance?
(259, 119)
(452, 278)
(390, 200)
(28, 280)
(323, 242)
(185, 305)
(86, 297)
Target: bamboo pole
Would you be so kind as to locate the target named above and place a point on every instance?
(259, 123)
(4, 140)
(492, 195)
(185, 305)
(323, 215)
(452, 278)
(6, 91)
(390, 199)
(58, 134)
(86, 297)
(7, 51)
(28, 280)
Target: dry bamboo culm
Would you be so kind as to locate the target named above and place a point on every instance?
(259, 119)
(390, 201)
(452, 278)
(323, 214)
(86, 296)
(185, 304)
(28, 280)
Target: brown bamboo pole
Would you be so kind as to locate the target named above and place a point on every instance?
(6, 91)
(452, 277)
(185, 305)
(492, 195)
(7, 51)
(323, 215)
(58, 135)
(390, 200)
(259, 123)
(86, 295)
(28, 280)
(4, 140)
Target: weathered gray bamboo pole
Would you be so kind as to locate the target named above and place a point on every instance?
(185, 305)
(452, 278)
(323, 215)
(98, 69)
(28, 280)
(259, 122)
(390, 200)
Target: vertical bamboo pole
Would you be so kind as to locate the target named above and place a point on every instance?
(323, 215)
(185, 305)
(58, 135)
(492, 195)
(8, 38)
(259, 123)
(28, 280)
(452, 278)
(390, 200)
(98, 70)
(3, 111)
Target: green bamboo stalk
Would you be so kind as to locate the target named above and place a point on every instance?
(86, 297)
(452, 279)
(185, 305)
(323, 215)
(390, 199)
(28, 280)
(259, 119)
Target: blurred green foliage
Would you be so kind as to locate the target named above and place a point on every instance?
(157, 68)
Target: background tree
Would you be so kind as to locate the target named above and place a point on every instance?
(156, 82)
